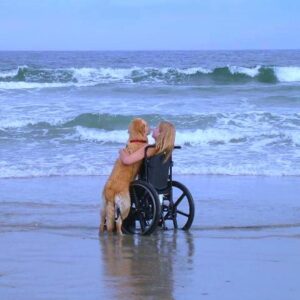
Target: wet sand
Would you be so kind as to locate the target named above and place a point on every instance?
(244, 244)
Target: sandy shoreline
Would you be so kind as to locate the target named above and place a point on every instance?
(244, 243)
(39, 265)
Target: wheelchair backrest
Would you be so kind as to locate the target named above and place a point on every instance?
(155, 170)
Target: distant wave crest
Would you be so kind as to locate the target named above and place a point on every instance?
(25, 77)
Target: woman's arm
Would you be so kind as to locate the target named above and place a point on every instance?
(128, 159)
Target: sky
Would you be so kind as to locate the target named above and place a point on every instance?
(149, 24)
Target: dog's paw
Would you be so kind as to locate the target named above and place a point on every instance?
(101, 230)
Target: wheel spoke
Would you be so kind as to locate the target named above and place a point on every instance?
(142, 222)
(134, 197)
(145, 209)
(175, 223)
(142, 197)
(179, 200)
(182, 213)
(167, 215)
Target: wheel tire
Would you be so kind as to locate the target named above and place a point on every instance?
(145, 209)
(186, 195)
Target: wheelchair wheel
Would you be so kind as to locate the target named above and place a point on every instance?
(144, 211)
(183, 209)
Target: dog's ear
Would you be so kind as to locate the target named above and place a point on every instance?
(137, 128)
(142, 128)
(134, 126)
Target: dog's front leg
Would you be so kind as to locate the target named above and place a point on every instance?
(119, 223)
(118, 215)
(102, 218)
(110, 216)
(122, 210)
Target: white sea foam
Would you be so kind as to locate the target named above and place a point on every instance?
(242, 129)
(187, 166)
(250, 169)
(20, 172)
(211, 151)
(115, 136)
(295, 137)
(12, 85)
(287, 74)
(35, 118)
(216, 139)
(193, 71)
(188, 137)
(16, 85)
(102, 74)
(252, 72)
(8, 123)
(198, 137)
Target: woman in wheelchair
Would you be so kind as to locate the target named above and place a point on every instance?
(155, 197)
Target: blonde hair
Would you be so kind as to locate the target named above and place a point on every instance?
(166, 139)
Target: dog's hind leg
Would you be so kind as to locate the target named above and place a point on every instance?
(110, 216)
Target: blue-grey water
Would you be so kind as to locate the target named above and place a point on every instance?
(66, 113)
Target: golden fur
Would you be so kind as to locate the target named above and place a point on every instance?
(116, 190)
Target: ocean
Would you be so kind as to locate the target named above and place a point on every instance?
(67, 113)
(63, 119)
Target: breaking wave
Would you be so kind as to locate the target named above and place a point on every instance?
(192, 130)
(108, 121)
(201, 137)
(25, 77)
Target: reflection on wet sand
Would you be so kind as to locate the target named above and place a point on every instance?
(139, 267)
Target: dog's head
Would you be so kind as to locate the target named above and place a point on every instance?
(138, 129)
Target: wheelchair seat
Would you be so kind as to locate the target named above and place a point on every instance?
(155, 170)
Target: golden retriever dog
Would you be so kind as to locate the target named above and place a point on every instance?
(116, 198)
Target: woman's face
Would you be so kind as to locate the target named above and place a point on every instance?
(155, 132)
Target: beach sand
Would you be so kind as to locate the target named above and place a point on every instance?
(244, 243)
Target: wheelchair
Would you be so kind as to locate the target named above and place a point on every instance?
(157, 200)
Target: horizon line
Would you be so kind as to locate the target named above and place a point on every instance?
(149, 50)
